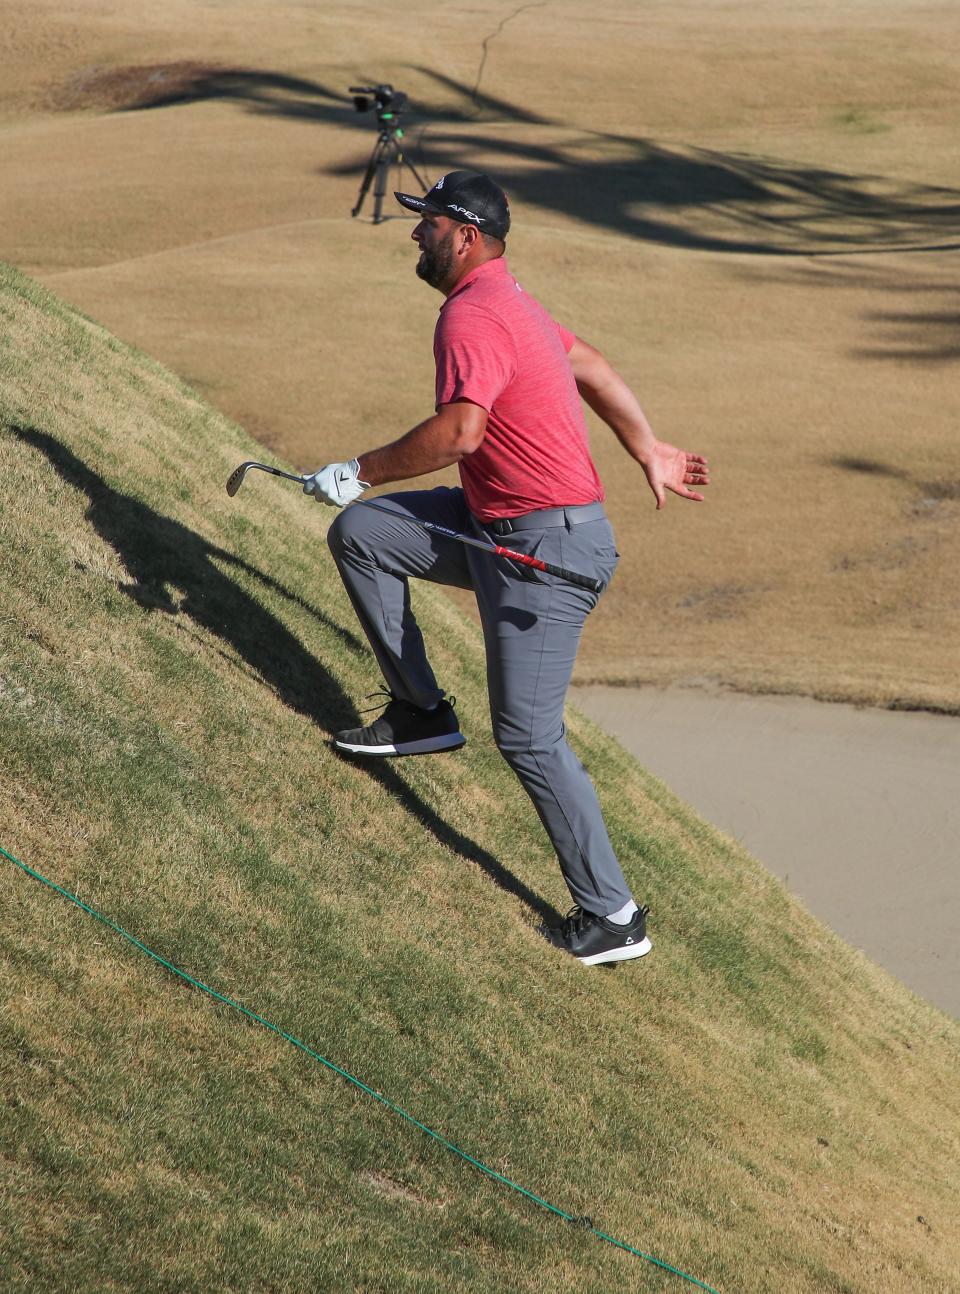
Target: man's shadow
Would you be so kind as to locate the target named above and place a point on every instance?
(174, 570)
(387, 775)
(163, 556)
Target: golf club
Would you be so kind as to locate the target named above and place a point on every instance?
(495, 550)
(237, 475)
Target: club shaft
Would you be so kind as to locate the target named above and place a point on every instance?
(276, 471)
(495, 550)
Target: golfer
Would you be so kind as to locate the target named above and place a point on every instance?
(509, 381)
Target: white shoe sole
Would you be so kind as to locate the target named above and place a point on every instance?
(618, 954)
(426, 746)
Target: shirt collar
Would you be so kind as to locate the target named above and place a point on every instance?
(489, 269)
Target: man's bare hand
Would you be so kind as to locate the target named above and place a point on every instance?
(669, 468)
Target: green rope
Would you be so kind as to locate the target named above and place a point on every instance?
(584, 1222)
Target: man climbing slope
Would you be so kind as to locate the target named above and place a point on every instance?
(509, 382)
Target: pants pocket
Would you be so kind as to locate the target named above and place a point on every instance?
(529, 542)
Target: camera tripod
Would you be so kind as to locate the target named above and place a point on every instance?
(387, 149)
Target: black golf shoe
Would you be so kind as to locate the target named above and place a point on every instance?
(404, 729)
(594, 940)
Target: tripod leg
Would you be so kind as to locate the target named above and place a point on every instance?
(380, 188)
(368, 176)
(402, 161)
(405, 161)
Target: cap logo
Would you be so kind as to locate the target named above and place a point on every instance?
(470, 215)
(439, 183)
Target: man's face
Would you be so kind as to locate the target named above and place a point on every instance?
(434, 236)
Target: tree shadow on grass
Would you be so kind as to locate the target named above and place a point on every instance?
(945, 489)
(139, 87)
(163, 557)
(868, 467)
(920, 322)
(928, 337)
(683, 197)
(705, 200)
(142, 87)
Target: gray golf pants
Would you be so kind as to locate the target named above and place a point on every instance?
(531, 628)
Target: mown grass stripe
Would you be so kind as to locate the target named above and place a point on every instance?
(584, 1222)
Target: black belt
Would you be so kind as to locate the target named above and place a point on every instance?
(544, 518)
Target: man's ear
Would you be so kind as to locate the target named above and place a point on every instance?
(471, 235)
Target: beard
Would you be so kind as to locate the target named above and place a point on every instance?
(435, 264)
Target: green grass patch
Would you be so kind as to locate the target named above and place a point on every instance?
(861, 122)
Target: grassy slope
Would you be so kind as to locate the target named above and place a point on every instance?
(755, 1103)
(679, 150)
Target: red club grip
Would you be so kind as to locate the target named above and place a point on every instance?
(585, 581)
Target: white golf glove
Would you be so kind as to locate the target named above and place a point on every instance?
(337, 483)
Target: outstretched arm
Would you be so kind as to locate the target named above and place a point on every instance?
(665, 466)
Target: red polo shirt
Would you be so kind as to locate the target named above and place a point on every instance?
(497, 347)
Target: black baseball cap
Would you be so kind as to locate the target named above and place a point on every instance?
(466, 196)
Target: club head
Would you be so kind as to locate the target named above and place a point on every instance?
(236, 478)
(237, 475)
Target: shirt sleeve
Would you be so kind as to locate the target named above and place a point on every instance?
(476, 356)
(566, 336)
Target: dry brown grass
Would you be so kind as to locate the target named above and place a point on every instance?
(769, 258)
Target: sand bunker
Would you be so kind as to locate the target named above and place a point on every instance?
(855, 809)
